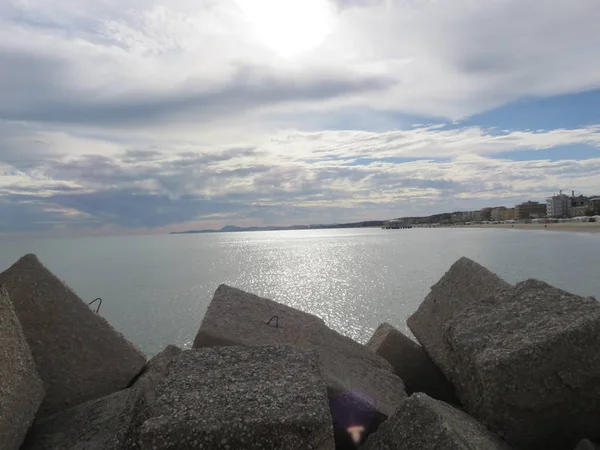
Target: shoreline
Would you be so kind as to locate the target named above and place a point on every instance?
(584, 227)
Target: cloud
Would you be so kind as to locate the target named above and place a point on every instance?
(113, 63)
(326, 177)
(247, 88)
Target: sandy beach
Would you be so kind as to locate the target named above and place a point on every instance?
(584, 227)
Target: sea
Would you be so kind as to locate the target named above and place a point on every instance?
(155, 288)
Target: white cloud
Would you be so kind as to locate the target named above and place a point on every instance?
(424, 142)
(443, 59)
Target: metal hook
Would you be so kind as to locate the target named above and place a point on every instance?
(276, 321)
(99, 304)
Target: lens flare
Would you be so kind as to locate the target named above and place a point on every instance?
(356, 433)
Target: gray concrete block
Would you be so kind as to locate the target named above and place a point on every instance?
(361, 385)
(526, 363)
(411, 363)
(109, 423)
(239, 397)
(79, 356)
(422, 423)
(465, 283)
(235, 317)
(155, 371)
(21, 389)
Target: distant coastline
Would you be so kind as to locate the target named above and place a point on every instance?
(578, 227)
(234, 229)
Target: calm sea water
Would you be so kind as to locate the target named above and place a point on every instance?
(157, 288)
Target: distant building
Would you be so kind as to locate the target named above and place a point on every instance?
(497, 213)
(395, 224)
(595, 205)
(486, 214)
(579, 211)
(580, 205)
(458, 217)
(558, 206)
(530, 210)
(578, 201)
(471, 216)
(501, 213)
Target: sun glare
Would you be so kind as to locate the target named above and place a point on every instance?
(289, 27)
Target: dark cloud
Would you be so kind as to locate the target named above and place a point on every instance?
(20, 142)
(133, 156)
(195, 158)
(133, 209)
(23, 213)
(39, 90)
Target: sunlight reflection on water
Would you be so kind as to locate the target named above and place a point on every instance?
(156, 288)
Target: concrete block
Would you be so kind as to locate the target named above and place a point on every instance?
(79, 356)
(411, 363)
(21, 389)
(240, 397)
(361, 385)
(235, 317)
(109, 423)
(526, 363)
(466, 282)
(155, 371)
(422, 423)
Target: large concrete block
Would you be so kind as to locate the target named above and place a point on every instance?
(362, 387)
(422, 423)
(21, 389)
(239, 397)
(235, 317)
(465, 283)
(411, 363)
(79, 356)
(109, 423)
(155, 371)
(526, 363)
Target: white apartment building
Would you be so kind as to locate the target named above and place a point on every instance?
(558, 206)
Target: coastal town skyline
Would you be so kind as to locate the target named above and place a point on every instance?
(558, 206)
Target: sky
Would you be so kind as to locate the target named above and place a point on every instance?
(144, 116)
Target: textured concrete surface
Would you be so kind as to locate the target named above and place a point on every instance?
(348, 366)
(79, 356)
(21, 389)
(155, 371)
(239, 397)
(422, 423)
(109, 423)
(235, 317)
(526, 363)
(465, 283)
(361, 385)
(411, 363)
